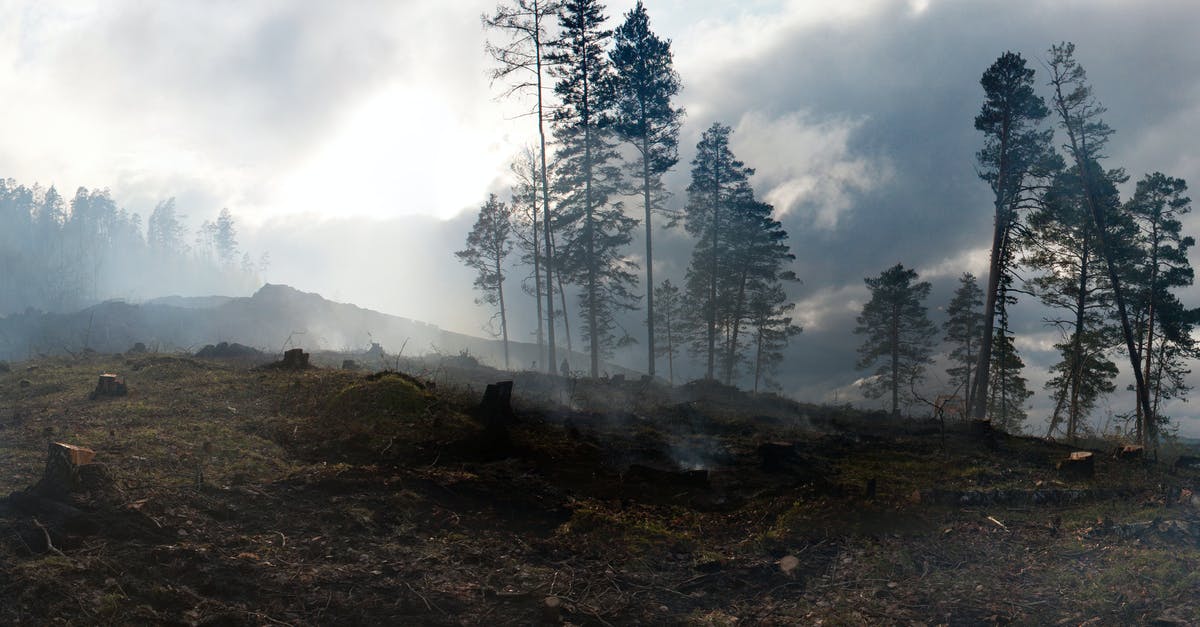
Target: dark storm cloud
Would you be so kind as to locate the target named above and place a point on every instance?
(904, 84)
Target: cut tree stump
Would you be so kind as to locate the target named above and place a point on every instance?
(1079, 465)
(294, 359)
(110, 385)
(1130, 452)
(63, 462)
(496, 413)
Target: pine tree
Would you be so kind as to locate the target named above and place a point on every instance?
(527, 231)
(669, 324)
(645, 83)
(757, 258)
(1079, 116)
(720, 184)
(165, 230)
(523, 60)
(1156, 207)
(1062, 248)
(1008, 391)
(899, 335)
(963, 328)
(769, 311)
(594, 227)
(488, 244)
(225, 238)
(1013, 149)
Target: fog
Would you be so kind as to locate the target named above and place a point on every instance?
(352, 147)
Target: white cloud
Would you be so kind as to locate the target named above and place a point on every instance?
(806, 167)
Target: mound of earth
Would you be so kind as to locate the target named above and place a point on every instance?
(225, 350)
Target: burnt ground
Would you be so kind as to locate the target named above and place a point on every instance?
(338, 497)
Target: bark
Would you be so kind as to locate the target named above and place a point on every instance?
(980, 389)
(649, 247)
(551, 363)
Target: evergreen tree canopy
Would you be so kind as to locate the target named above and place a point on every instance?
(898, 333)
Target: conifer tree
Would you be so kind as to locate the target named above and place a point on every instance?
(1079, 116)
(1062, 249)
(488, 244)
(523, 60)
(963, 328)
(720, 184)
(644, 117)
(594, 227)
(769, 311)
(669, 324)
(527, 232)
(1013, 149)
(899, 335)
(1156, 208)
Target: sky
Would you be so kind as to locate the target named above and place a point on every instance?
(353, 141)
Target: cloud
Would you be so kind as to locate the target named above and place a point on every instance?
(806, 167)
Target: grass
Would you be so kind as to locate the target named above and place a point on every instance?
(331, 497)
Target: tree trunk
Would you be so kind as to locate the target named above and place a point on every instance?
(999, 227)
(1085, 173)
(1077, 357)
(731, 348)
(712, 280)
(551, 363)
(589, 233)
(503, 313)
(1144, 420)
(895, 345)
(537, 278)
(649, 248)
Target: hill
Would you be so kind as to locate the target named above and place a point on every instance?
(234, 495)
(274, 318)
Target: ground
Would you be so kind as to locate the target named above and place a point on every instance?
(250, 495)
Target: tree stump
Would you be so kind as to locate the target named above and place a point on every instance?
(62, 469)
(496, 413)
(777, 456)
(982, 430)
(295, 359)
(110, 385)
(1130, 452)
(1079, 465)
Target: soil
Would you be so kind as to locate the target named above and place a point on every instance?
(237, 495)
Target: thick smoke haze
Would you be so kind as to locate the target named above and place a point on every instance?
(354, 142)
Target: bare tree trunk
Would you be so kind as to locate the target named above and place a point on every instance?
(712, 280)
(503, 313)
(649, 249)
(537, 48)
(999, 228)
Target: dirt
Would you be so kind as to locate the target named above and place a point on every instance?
(324, 496)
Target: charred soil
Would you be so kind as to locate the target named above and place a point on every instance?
(238, 495)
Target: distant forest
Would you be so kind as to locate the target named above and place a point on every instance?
(1108, 268)
(59, 254)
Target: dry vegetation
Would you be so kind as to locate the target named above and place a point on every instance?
(339, 497)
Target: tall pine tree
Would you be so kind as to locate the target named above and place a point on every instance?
(645, 83)
(1013, 147)
(594, 227)
(522, 60)
(720, 184)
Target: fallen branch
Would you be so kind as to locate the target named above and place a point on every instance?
(49, 545)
